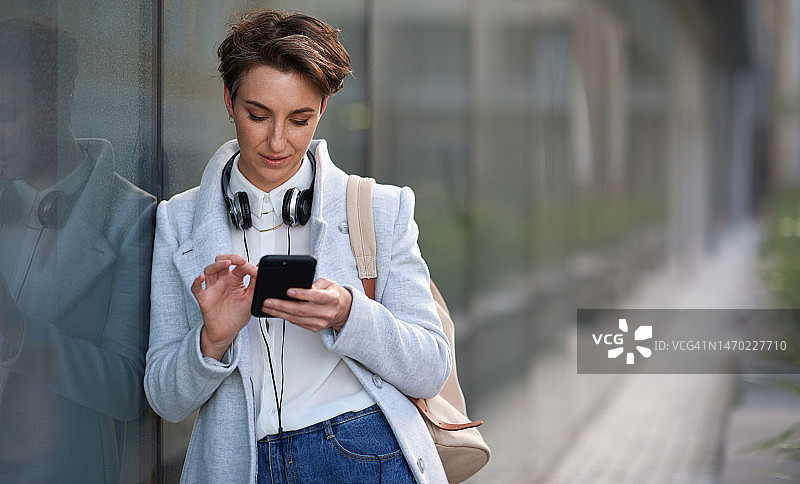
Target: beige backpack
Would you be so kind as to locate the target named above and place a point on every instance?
(461, 447)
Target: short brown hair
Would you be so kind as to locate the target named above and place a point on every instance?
(289, 42)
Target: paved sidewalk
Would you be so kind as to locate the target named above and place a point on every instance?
(764, 409)
(555, 426)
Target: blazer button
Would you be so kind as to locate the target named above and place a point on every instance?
(343, 227)
(421, 465)
(376, 380)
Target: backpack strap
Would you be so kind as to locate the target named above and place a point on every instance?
(361, 227)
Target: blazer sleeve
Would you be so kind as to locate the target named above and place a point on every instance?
(399, 338)
(178, 379)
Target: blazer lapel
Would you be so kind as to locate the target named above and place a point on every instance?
(208, 241)
(82, 252)
(328, 208)
(211, 234)
(80, 256)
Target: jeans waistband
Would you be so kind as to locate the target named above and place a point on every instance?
(341, 418)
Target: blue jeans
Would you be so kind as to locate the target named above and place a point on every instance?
(354, 447)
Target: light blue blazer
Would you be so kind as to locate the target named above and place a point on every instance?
(395, 347)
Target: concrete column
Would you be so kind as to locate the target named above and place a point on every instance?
(688, 159)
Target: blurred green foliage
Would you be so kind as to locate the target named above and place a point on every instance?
(492, 240)
(780, 268)
(780, 249)
(786, 443)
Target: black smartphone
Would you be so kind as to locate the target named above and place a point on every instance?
(277, 274)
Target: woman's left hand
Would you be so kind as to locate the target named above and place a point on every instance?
(325, 305)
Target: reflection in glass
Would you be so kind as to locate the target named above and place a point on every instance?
(74, 272)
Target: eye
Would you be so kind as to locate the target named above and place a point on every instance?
(300, 122)
(256, 118)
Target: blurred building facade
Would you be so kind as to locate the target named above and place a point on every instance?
(559, 149)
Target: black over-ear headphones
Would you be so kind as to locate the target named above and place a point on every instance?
(55, 207)
(296, 207)
(53, 210)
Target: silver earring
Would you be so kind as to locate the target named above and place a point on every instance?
(231, 118)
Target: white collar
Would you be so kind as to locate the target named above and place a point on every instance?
(256, 197)
(70, 184)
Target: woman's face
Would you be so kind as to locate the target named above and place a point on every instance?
(276, 114)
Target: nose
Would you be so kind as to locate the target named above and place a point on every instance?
(277, 138)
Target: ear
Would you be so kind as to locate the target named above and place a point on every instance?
(228, 101)
(323, 105)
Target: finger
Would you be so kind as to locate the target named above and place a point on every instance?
(217, 268)
(197, 285)
(220, 269)
(310, 323)
(300, 294)
(275, 312)
(250, 290)
(285, 307)
(295, 311)
(316, 296)
(246, 269)
(215, 271)
(235, 259)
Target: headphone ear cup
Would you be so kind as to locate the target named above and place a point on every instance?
(241, 209)
(52, 210)
(304, 207)
(289, 208)
(296, 209)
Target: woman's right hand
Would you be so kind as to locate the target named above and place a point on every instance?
(224, 301)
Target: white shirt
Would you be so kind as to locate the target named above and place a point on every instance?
(25, 246)
(317, 385)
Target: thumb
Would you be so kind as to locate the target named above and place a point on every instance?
(197, 285)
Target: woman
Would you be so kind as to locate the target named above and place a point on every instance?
(317, 391)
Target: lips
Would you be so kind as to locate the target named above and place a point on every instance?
(273, 160)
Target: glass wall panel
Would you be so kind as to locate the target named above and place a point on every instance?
(420, 74)
(524, 96)
(78, 94)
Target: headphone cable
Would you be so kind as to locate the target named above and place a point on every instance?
(278, 402)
